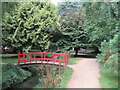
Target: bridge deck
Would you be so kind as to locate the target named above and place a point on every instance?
(41, 63)
(50, 62)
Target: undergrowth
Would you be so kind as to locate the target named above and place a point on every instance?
(108, 79)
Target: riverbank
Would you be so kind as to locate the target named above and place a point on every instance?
(38, 78)
(12, 75)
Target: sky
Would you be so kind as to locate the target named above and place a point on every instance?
(56, 1)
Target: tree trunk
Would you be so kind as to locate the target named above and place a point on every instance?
(97, 50)
(76, 52)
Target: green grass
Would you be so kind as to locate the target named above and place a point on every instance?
(73, 60)
(65, 77)
(4, 55)
(9, 60)
(108, 79)
(84, 52)
(87, 51)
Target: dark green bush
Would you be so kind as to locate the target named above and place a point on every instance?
(109, 53)
(12, 75)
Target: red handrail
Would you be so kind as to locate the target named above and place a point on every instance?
(23, 57)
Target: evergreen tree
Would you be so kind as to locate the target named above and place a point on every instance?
(7, 7)
(72, 20)
(30, 26)
(109, 53)
(101, 20)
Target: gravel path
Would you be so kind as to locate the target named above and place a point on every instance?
(85, 75)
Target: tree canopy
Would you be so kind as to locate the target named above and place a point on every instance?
(101, 21)
(30, 25)
(72, 21)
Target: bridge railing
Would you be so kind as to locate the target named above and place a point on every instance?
(42, 57)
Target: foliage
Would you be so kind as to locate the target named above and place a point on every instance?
(101, 21)
(50, 77)
(72, 20)
(9, 60)
(8, 7)
(33, 70)
(108, 79)
(31, 25)
(109, 53)
(12, 74)
(54, 77)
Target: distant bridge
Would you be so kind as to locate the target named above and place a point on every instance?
(42, 58)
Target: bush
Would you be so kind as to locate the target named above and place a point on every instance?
(109, 53)
(12, 75)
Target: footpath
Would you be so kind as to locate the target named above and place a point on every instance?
(85, 75)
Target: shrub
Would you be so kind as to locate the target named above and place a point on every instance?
(12, 75)
(109, 53)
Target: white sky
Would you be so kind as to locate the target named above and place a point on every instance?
(56, 1)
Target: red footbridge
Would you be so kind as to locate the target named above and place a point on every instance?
(43, 58)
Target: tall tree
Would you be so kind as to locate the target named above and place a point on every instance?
(100, 21)
(102, 26)
(7, 7)
(72, 21)
(30, 26)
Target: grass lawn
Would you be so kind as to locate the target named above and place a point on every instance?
(9, 60)
(86, 51)
(4, 55)
(108, 79)
(73, 60)
(65, 77)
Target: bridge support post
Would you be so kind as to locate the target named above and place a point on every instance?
(66, 58)
(24, 58)
(53, 56)
(30, 58)
(18, 57)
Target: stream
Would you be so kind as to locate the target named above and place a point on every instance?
(33, 81)
(28, 83)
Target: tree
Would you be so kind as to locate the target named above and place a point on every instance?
(101, 20)
(30, 26)
(7, 7)
(72, 21)
(102, 26)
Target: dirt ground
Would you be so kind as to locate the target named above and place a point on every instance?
(85, 75)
